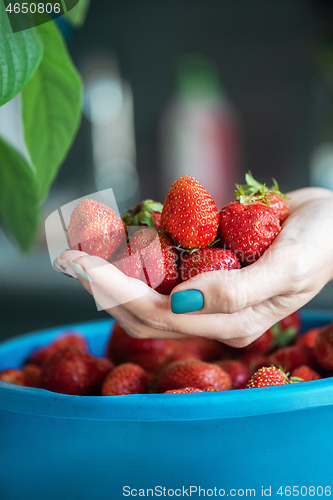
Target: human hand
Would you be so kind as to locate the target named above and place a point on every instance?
(235, 306)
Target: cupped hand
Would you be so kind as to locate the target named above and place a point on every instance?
(235, 306)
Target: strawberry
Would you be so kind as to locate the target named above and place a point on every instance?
(237, 371)
(150, 257)
(171, 272)
(129, 262)
(267, 376)
(204, 349)
(179, 354)
(204, 260)
(71, 371)
(127, 378)
(262, 345)
(12, 376)
(151, 354)
(146, 213)
(31, 374)
(309, 337)
(287, 329)
(192, 373)
(305, 373)
(95, 229)
(198, 348)
(253, 361)
(189, 214)
(186, 390)
(323, 349)
(70, 338)
(290, 357)
(280, 334)
(272, 197)
(248, 229)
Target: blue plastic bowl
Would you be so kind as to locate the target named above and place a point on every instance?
(274, 442)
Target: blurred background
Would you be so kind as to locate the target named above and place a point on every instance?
(206, 88)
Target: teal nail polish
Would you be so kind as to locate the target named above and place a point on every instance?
(81, 272)
(187, 301)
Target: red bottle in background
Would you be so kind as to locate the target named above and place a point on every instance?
(199, 132)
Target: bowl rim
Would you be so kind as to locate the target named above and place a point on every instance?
(159, 407)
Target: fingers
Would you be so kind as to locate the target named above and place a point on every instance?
(105, 281)
(240, 328)
(112, 288)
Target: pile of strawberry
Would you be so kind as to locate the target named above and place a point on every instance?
(195, 364)
(185, 236)
(164, 245)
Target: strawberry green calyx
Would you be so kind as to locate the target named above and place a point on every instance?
(283, 337)
(255, 191)
(146, 213)
(295, 380)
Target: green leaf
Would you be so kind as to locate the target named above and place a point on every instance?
(20, 55)
(78, 14)
(51, 108)
(152, 206)
(19, 207)
(147, 219)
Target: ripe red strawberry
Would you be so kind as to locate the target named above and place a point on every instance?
(262, 345)
(280, 334)
(203, 348)
(71, 371)
(127, 378)
(186, 390)
(146, 213)
(255, 192)
(192, 373)
(180, 354)
(237, 371)
(12, 376)
(31, 374)
(290, 357)
(305, 373)
(286, 330)
(279, 205)
(189, 214)
(150, 257)
(170, 259)
(266, 377)
(147, 243)
(253, 361)
(129, 262)
(70, 338)
(323, 349)
(204, 260)
(151, 354)
(248, 229)
(309, 337)
(95, 229)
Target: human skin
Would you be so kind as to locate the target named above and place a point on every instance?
(239, 305)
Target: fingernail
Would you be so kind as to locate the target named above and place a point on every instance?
(81, 272)
(187, 301)
(63, 267)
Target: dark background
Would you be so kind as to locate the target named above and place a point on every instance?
(266, 52)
